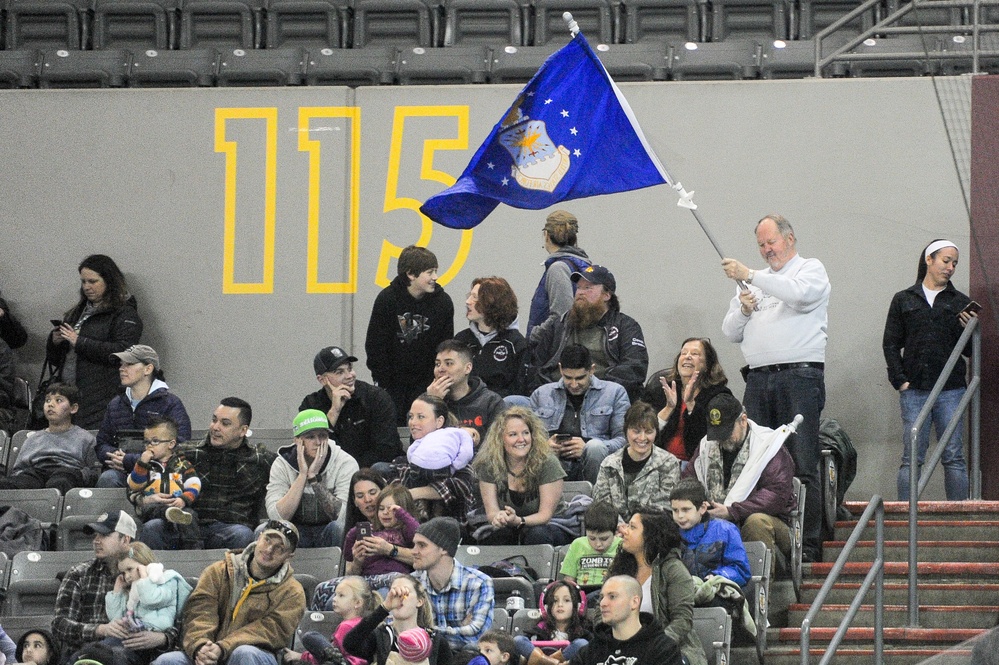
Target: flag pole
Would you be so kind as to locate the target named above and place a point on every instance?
(686, 198)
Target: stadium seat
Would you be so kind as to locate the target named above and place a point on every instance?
(45, 505)
(517, 64)
(814, 15)
(186, 68)
(758, 590)
(762, 20)
(963, 44)
(922, 15)
(573, 488)
(221, 23)
(34, 581)
(525, 620)
(84, 505)
(22, 389)
(16, 627)
(306, 23)
(135, 24)
(648, 61)
(189, 563)
(313, 565)
(84, 69)
(321, 622)
(538, 557)
(674, 21)
(830, 487)
(596, 18)
(353, 67)
(404, 437)
(246, 67)
(13, 447)
(501, 620)
(796, 59)
(797, 531)
(453, 64)
(47, 24)
(272, 439)
(714, 627)
(733, 59)
(4, 436)
(393, 22)
(913, 63)
(493, 22)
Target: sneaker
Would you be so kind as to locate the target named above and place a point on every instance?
(177, 516)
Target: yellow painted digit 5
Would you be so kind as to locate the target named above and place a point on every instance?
(427, 172)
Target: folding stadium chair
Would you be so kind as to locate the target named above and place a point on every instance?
(758, 590)
(538, 557)
(243, 67)
(22, 389)
(731, 60)
(84, 505)
(34, 582)
(905, 65)
(501, 620)
(188, 68)
(493, 22)
(393, 22)
(189, 563)
(797, 532)
(673, 21)
(525, 620)
(13, 447)
(714, 627)
(814, 15)
(571, 488)
(454, 64)
(763, 20)
(47, 24)
(404, 437)
(84, 69)
(45, 505)
(313, 565)
(928, 16)
(16, 627)
(135, 24)
(368, 66)
(221, 24)
(596, 19)
(272, 439)
(321, 622)
(647, 61)
(517, 64)
(306, 23)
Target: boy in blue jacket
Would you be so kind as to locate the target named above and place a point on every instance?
(713, 546)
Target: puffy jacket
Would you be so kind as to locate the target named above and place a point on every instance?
(650, 488)
(918, 338)
(602, 413)
(161, 597)
(119, 416)
(715, 547)
(365, 428)
(624, 344)
(108, 330)
(230, 608)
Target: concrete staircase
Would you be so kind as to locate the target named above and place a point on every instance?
(958, 589)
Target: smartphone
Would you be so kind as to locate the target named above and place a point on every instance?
(363, 530)
(55, 322)
(563, 438)
(972, 308)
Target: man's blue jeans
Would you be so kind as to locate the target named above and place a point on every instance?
(241, 655)
(955, 469)
(159, 534)
(773, 399)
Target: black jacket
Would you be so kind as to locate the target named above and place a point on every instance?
(695, 423)
(372, 641)
(366, 427)
(918, 339)
(478, 408)
(11, 330)
(107, 331)
(499, 362)
(649, 646)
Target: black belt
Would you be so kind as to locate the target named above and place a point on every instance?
(786, 366)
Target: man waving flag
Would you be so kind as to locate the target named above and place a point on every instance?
(569, 134)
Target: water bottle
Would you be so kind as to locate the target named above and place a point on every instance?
(514, 602)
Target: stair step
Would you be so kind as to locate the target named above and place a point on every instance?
(928, 550)
(939, 571)
(855, 656)
(928, 529)
(957, 510)
(897, 637)
(898, 593)
(930, 616)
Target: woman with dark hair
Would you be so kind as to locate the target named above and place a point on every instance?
(492, 335)
(555, 291)
(103, 322)
(650, 552)
(638, 475)
(365, 486)
(681, 395)
(924, 323)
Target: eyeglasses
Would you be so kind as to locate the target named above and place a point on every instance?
(149, 443)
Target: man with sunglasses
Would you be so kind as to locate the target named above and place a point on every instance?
(246, 607)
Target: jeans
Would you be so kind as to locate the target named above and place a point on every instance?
(160, 535)
(773, 399)
(241, 655)
(955, 469)
(518, 400)
(539, 534)
(112, 478)
(525, 647)
(587, 466)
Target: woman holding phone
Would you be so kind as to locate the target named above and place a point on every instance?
(924, 324)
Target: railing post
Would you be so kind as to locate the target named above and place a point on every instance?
(913, 528)
(975, 426)
(879, 585)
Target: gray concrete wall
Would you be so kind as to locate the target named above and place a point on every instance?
(862, 168)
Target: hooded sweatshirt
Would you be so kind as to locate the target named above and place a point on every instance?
(649, 646)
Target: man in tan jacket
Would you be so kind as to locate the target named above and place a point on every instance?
(246, 607)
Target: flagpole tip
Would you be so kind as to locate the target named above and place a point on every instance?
(569, 21)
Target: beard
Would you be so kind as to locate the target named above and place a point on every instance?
(584, 314)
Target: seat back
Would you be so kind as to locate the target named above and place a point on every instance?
(222, 24)
(35, 578)
(17, 627)
(714, 627)
(272, 439)
(492, 22)
(306, 23)
(189, 563)
(19, 69)
(22, 396)
(501, 620)
(675, 21)
(313, 565)
(393, 22)
(8, 456)
(135, 24)
(45, 505)
(596, 18)
(525, 620)
(47, 24)
(763, 20)
(758, 590)
(571, 488)
(539, 557)
(321, 622)
(5, 445)
(83, 505)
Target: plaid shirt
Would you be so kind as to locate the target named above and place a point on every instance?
(80, 606)
(468, 593)
(233, 481)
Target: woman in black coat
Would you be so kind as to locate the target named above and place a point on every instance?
(103, 322)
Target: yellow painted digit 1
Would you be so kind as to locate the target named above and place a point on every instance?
(427, 172)
(229, 148)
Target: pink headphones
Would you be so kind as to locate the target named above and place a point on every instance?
(573, 587)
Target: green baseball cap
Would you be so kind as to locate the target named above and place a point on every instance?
(308, 420)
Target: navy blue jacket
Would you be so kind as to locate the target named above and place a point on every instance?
(119, 416)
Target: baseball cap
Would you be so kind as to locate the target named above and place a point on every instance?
(111, 522)
(723, 411)
(308, 420)
(597, 275)
(139, 353)
(285, 529)
(330, 358)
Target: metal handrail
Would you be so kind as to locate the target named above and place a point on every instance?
(875, 577)
(884, 27)
(917, 478)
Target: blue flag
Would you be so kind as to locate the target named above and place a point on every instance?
(569, 134)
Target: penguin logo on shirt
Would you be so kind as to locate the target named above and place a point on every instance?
(410, 327)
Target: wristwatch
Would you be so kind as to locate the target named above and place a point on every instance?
(395, 552)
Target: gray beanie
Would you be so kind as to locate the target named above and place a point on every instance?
(444, 532)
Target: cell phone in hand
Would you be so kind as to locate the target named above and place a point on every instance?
(972, 308)
(363, 530)
(55, 322)
(563, 438)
